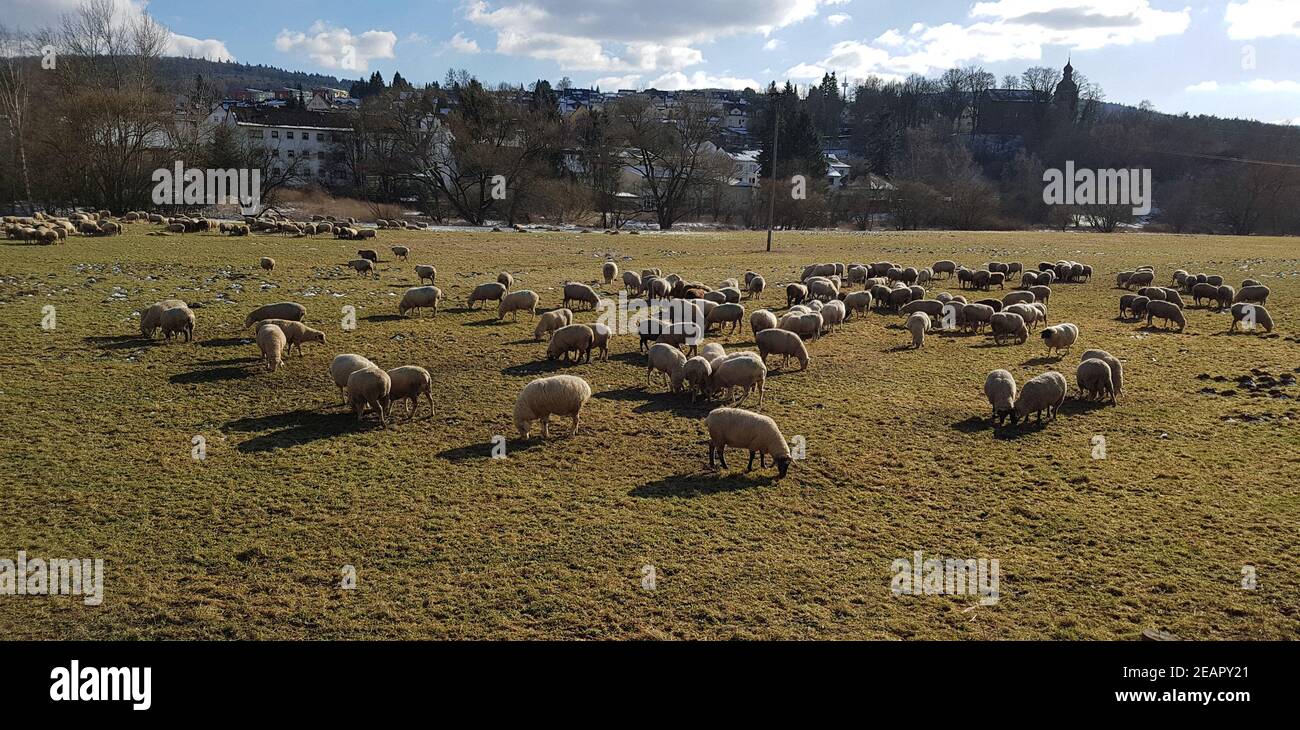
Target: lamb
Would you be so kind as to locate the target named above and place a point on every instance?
(733, 314)
(753, 432)
(1094, 380)
(755, 287)
(418, 297)
(344, 365)
(667, 360)
(425, 271)
(551, 321)
(177, 320)
(151, 318)
(762, 319)
(272, 343)
(516, 301)
(1000, 389)
(1167, 311)
(858, 301)
(784, 343)
(581, 293)
(1044, 392)
(1116, 369)
(489, 292)
(1252, 295)
(609, 270)
(268, 263)
(1008, 324)
(369, 387)
(572, 338)
(1060, 337)
(1247, 313)
(400, 252)
(918, 323)
(408, 383)
(505, 279)
(295, 333)
(739, 370)
(695, 373)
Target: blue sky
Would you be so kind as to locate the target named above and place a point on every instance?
(1225, 57)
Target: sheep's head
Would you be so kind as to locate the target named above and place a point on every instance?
(782, 466)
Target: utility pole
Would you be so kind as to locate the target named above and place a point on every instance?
(771, 201)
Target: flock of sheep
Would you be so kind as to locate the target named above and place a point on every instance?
(675, 315)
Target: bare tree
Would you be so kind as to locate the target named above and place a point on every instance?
(16, 97)
(670, 153)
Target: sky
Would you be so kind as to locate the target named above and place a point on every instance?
(1233, 58)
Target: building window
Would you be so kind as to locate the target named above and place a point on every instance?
(275, 153)
(275, 134)
(291, 153)
(289, 135)
(320, 136)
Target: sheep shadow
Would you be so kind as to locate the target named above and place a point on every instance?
(535, 367)
(973, 424)
(1008, 432)
(1076, 406)
(487, 322)
(637, 358)
(383, 318)
(231, 361)
(900, 348)
(212, 375)
(1044, 360)
(483, 450)
(637, 393)
(703, 484)
(226, 342)
(295, 428)
(122, 342)
(525, 341)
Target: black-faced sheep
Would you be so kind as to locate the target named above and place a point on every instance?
(753, 432)
(1060, 337)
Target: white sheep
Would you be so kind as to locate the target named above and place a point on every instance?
(574, 292)
(296, 333)
(753, 432)
(1094, 379)
(557, 395)
(425, 271)
(418, 297)
(918, 323)
(1000, 389)
(713, 352)
(600, 339)
(344, 365)
(609, 270)
(1060, 337)
(408, 383)
(784, 343)
(572, 338)
(833, 314)
(1008, 324)
(489, 292)
(755, 287)
(1041, 393)
(667, 360)
(272, 343)
(505, 279)
(760, 320)
(151, 318)
(695, 373)
(369, 388)
(739, 370)
(516, 301)
(177, 320)
(733, 314)
(280, 310)
(1252, 317)
(267, 263)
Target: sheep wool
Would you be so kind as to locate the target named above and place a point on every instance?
(1116, 368)
(557, 395)
(177, 320)
(280, 310)
(272, 344)
(1093, 377)
(151, 318)
(1041, 393)
(784, 343)
(573, 338)
(344, 365)
(524, 300)
(1000, 389)
(408, 383)
(419, 297)
(369, 388)
(747, 430)
(550, 321)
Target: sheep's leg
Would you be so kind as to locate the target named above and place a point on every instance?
(546, 427)
(574, 430)
(722, 458)
(750, 466)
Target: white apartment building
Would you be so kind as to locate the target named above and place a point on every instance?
(308, 143)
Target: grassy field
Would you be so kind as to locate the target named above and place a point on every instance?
(550, 542)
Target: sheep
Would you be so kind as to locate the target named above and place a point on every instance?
(1140, 279)
(1167, 311)
(1214, 279)
(363, 266)
(1252, 295)
(932, 307)
(858, 301)
(369, 387)
(667, 360)
(600, 339)
(1030, 314)
(833, 314)
(609, 270)
(898, 297)
(739, 370)
(649, 329)
(713, 352)
(295, 333)
(1116, 369)
(550, 321)
(997, 277)
(1060, 337)
(679, 334)
(647, 273)
(177, 320)
(784, 343)
(730, 295)
(795, 294)
(1042, 292)
(805, 325)
(918, 323)
(344, 365)
(1020, 297)
(1247, 313)
(506, 280)
(762, 319)
(516, 301)
(1094, 380)
(268, 263)
(400, 252)
(755, 287)
(944, 267)
(975, 316)
(368, 254)
(631, 281)
(753, 432)
(1000, 389)
(817, 270)
(272, 343)
(418, 297)
(1008, 324)
(571, 338)
(408, 383)
(733, 314)
(1249, 282)
(1204, 291)
(582, 293)
(1173, 297)
(695, 373)
(1224, 296)
(151, 318)
(425, 271)
(994, 304)
(1044, 392)
(489, 292)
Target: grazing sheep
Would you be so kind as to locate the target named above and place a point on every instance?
(795, 294)
(369, 387)
(975, 316)
(609, 270)
(1140, 279)
(1008, 324)
(755, 287)
(1060, 337)
(1249, 282)
(1167, 311)
(1174, 297)
(1116, 368)
(295, 332)
(1000, 389)
(1042, 292)
(1094, 380)
(1041, 393)
(151, 318)
(649, 330)
(762, 319)
(517, 301)
(713, 352)
(739, 370)
(667, 360)
(600, 340)
(369, 254)
(747, 430)
(1252, 295)
(1243, 313)
(505, 279)
(695, 373)
(177, 320)
(1214, 279)
(400, 252)
(1020, 297)
(994, 304)
(364, 266)
(418, 297)
(268, 263)
(571, 338)
(944, 267)
(1029, 313)
(807, 325)
(272, 343)
(425, 272)
(574, 292)
(858, 301)
(631, 281)
(550, 321)
(833, 314)
(1204, 291)
(344, 365)
(784, 343)
(898, 297)
(932, 307)
(681, 334)
(489, 292)
(917, 324)
(408, 383)
(733, 314)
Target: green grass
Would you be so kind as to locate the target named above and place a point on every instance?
(550, 542)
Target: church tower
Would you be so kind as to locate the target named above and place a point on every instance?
(1065, 100)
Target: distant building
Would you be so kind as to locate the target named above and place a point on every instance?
(1023, 114)
(310, 144)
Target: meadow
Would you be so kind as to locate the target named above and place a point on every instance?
(1198, 480)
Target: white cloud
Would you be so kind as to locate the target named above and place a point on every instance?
(1250, 19)
(189, 47)
(460, 44)
(772, 44)
(30, 15)
(337, 48)
(1293, 121)
(1254, 86)
(1204, 86)
(618, 82)
(838, 19)
(700, 80)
